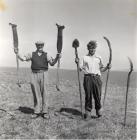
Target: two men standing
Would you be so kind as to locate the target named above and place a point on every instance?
(91, 65)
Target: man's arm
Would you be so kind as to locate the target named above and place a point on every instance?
(103, 69)
(25, 58)
(81, 65)
(77, 62)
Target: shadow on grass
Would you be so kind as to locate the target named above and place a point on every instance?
(74, 135)
(26, 110)
(71, 111)
(94, 117)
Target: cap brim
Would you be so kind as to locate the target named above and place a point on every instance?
(39, 45)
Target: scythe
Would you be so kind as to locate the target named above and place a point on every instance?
(128, 83)
(15, 43)
(110, 59)
(59, 50)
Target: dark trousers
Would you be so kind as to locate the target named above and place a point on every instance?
(92, 86)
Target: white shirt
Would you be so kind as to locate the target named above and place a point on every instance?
(91, 64)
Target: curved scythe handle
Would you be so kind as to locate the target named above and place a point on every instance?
(110, 59)
(110, 50)
(131, 65)
(128, 83)
(15, 43)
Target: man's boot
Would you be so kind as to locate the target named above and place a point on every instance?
(98, 113)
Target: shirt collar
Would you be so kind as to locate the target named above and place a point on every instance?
(91, 55)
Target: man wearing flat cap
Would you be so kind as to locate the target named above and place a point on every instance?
(40, 61)
(91, 65)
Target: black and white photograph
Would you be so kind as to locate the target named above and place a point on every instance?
(68, 69)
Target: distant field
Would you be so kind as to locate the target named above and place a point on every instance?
(16, 106)
(118, 78)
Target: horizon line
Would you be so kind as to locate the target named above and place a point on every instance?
(125, 70)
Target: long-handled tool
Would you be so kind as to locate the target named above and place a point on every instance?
(15, 43)
(75, 45)
(59, 50)
(57, 83)
(128, 83)
(110, 59)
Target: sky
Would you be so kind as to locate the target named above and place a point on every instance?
(83, 19)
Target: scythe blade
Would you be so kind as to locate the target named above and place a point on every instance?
(110, 59)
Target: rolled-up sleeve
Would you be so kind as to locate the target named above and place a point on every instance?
(101, 64)
(81, 63)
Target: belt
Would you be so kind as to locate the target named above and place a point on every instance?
(91, 74)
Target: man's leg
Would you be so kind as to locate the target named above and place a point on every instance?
(88, 95)
(44, 91)
(97, 87)
(36, 93)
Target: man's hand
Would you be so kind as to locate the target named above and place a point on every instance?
(58, 56)
(109, 66)
(76, 60)
(16, 50)
(28, 57)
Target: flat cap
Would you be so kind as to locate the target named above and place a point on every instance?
(39, 43)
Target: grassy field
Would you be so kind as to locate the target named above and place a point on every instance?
(16, 106)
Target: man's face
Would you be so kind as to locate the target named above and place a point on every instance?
(40, 48)
(91, 50)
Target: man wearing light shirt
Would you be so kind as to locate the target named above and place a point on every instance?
(92, 66)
